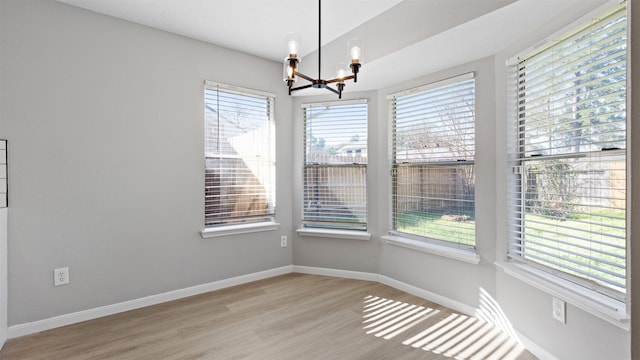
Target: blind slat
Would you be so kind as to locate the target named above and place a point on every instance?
(433, 173)
(239, 147)
(569, 196)
(335, 165)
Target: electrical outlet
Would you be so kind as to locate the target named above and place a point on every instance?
(559, 307)
(60, 276)
(283, 241)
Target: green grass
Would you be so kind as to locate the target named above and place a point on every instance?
(582, 242)
(567, 242)
(433, 226)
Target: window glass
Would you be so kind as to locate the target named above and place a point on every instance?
(569, 172)
(239, 156)
(433, 172)
(335, 165)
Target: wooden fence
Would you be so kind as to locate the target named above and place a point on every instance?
(440, 189)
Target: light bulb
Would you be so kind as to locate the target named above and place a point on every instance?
(355, 48)
(355, 53)
(292, 44)
(293, 47)
(341, 71)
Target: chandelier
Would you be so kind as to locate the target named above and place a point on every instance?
(291, 73)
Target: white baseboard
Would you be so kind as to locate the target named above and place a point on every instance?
(356, 275)
(76, 317)
(411, 289)
(534, 348)
(68, 319)
(428, 295)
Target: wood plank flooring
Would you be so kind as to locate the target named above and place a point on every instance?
(294, 316)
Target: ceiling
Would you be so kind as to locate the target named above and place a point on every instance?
(405, 38)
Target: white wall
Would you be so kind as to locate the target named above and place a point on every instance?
(105, 121)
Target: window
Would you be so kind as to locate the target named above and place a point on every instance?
(433, 149)
(239, 156)
(335, 165)
(569, 160)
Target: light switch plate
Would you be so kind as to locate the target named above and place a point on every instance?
(559, 308)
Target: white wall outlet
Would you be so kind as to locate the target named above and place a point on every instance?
(559, 308)
(60, 276)
(283, 241)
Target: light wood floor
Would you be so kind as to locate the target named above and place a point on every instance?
(293, 316)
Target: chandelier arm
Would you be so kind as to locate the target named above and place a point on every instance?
(340, 79)
(304, 76)
(301, 87)
(332, 90)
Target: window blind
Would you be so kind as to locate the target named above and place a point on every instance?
(239, 155)
(569, 190)
(433, 177)
(335, 165)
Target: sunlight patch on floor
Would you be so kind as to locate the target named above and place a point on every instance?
(387, 319)
(457, 336)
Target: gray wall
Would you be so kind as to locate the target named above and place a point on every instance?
(105, 121)
(4, 281)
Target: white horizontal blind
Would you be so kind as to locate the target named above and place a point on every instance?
(335, 165)
(570, 171)
(433, 177)
(239, 156)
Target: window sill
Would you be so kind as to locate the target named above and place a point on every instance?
(440, 250)
(598, 305)
(335, 234)
(238, 229)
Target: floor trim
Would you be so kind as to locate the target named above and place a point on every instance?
(349, 274)
(534, 348)
(411, 289)
(76, 317)
(428, 295)
(72, 318)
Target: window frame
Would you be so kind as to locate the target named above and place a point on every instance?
(244, 224)
(596, 299)
(425, 243)
(339, 228)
